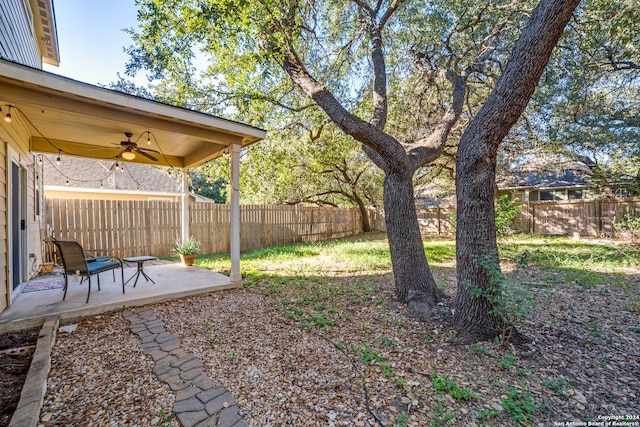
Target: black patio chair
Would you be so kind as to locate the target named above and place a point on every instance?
(75, 262)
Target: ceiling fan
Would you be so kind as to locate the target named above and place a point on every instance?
(130, 148)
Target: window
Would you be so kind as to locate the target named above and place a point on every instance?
(560, 195)
(575, 194)
(27, 12)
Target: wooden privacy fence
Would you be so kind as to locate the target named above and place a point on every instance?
(129, 228)
(589, 218)
(432, 219)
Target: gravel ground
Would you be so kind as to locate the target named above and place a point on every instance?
(100, 377)
(353, 358)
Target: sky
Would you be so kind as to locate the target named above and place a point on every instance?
(91, 40)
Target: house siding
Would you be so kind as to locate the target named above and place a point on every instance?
(17, 40)
(95, 195)
(14, 135)
(4, 282)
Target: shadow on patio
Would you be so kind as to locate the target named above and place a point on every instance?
(173, 281)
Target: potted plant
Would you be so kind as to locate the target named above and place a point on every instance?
(187, 249)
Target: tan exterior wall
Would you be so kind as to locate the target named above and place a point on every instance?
(104, 195)
(14, 138)
(18, 42)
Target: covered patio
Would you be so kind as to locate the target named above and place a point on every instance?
(172, 280)
(65, 117)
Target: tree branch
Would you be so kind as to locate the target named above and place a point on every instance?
(375, 157)
(428, 149)
(383, 144)
(522, 73)
(392, 8)
(379, 118)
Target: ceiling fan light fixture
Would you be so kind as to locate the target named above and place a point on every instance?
(128, 155)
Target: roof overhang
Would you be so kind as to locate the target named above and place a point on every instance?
(545, 188)
(44, 24)
(64, 115)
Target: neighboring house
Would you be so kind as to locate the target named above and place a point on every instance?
(547, 179)
(94, 179)
(46, 113)
(434, 195)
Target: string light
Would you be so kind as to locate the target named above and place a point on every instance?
(7, 118)
(67, 178)
(148, 138)
(58, 159)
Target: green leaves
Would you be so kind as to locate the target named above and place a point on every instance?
(587, 106)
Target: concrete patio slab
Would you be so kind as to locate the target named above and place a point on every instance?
(172, 281)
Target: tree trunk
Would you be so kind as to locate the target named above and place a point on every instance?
(364, 216)
(415, 284)
(477, 318)
(478, 315)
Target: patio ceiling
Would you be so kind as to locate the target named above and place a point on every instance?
(88, 121)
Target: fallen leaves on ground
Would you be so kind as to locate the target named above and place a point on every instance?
(298, 351)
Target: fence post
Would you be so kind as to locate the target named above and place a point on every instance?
(297, 219)
(598, 218)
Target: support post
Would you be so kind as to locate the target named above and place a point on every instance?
(234, 220)
(184, 214)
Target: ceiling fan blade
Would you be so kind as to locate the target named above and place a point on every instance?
(148, 156)
(147, 149)
(113, 147)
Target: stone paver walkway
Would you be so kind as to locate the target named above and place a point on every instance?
(200, 402)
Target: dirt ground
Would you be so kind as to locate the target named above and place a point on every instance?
(16, 351)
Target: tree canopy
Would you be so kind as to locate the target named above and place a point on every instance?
(587, 106)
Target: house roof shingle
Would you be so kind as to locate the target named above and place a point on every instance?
(546, 171)
(560, 179)
(92, 173)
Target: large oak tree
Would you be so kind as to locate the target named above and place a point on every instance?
(332, 51)
(336, 53)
